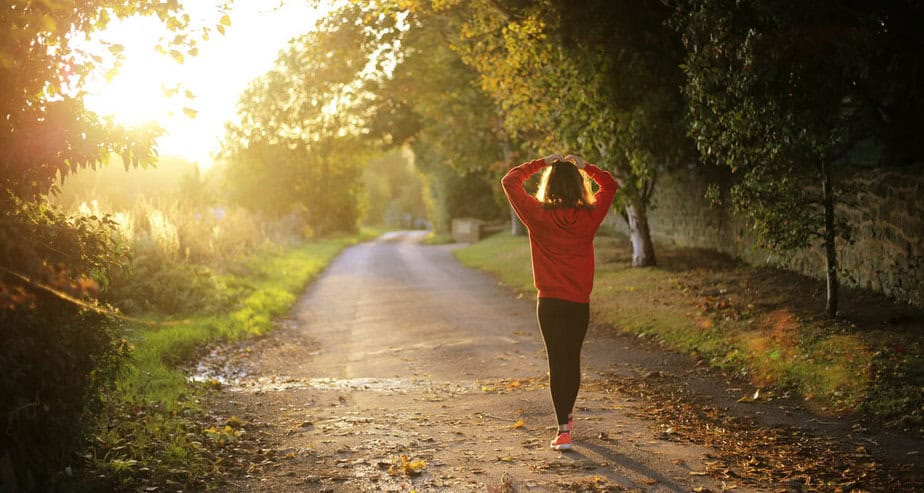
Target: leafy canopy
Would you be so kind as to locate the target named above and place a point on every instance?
(299, 142)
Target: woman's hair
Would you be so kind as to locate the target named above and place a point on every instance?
(563, 185)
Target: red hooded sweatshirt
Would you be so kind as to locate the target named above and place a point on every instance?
(560, 240)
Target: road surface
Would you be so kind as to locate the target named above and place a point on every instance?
(398, 350)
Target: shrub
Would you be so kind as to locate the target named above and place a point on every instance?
(56, 360)
(56, 351)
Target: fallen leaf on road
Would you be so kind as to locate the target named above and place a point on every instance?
(751, 398)
(519, 424)
(407, 466)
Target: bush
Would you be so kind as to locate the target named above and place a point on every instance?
(175, 252)
(149, 285)
(56, 351)
(56, 358)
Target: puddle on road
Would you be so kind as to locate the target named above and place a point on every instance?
(240, 381)
(219, 367)
(229, 370)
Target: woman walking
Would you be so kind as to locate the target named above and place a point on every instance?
(562, 220)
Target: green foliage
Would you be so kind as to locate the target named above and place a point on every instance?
(47, 131)
(297, 148)
(425, 96)
(53, 251)
(598, 78)
(393, 190)
(115, 188)
(56, 359)
(835, 366)
(176, 251)
(56, 352)
(453, 193)
(149, 430)
(432, 87)
(779, 90)
(174, 289)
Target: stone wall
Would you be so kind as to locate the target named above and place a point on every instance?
(887, 220)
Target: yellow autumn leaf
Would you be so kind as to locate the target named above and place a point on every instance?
(408, 466)
(751, 398)
(519, 424)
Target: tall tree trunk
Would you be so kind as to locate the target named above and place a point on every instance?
(830, 234)
(639, 234)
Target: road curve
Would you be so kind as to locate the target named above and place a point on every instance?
(394, 308)
(397, 349)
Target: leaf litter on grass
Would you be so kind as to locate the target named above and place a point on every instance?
(747, 452)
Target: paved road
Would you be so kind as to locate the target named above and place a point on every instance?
(397, 349)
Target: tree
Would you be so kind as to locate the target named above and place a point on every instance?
(47, 133)
(393, 191)
(298, 146)
(432, 102)
(56, 350)
(786, 94)
(595, 77)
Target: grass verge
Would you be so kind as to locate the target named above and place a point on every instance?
(763, 324)
(154, 432)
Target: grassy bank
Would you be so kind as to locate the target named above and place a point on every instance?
(154, 430)
(765, 325)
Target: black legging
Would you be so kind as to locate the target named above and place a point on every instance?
(563, 325)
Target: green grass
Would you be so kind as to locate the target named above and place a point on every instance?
(505, 255)
(736, 319)
(152, 428)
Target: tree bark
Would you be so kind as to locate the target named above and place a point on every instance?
(829, 234)
(639, 234)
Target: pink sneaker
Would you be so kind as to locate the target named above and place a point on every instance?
(562, 441)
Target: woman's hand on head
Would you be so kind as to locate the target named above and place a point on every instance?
(551, 158)
(576, 160)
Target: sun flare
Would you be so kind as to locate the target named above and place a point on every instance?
(192, 100)
(138, 93)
